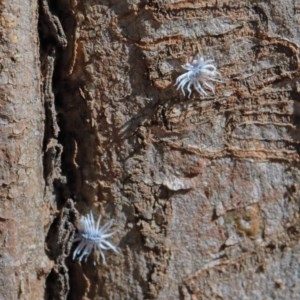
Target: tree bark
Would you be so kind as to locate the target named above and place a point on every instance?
(23, 211)
(203, 190)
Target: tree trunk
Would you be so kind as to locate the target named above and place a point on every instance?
(203, 190)
(23, 211)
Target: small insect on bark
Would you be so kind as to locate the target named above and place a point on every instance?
(92, 237)
(201, 74)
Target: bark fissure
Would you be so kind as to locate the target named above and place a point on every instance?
(55, 46)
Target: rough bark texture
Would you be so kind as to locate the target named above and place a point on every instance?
(204, 191)
(23, 211)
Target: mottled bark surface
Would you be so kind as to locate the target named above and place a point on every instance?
(204, 190)
(23, 211)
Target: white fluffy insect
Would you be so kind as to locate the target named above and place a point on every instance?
(92, 237)
(200, 74)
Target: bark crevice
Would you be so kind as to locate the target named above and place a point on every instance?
(56, 48)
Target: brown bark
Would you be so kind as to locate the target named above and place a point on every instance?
(23, 211)
(204, 190)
